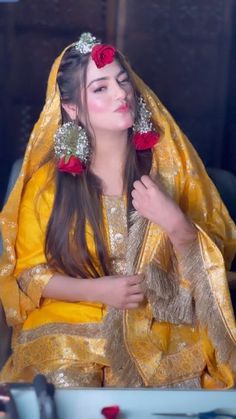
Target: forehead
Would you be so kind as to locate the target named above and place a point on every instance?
(109, 70)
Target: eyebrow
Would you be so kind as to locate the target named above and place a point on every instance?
(106, 78)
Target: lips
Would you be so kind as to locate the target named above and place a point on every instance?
(123, 108)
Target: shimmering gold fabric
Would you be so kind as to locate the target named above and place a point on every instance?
(159, 344)
(115, 213)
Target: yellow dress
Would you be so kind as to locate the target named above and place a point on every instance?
(184, 335)
(70, 342)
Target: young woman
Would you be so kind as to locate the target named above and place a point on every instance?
(115, 240)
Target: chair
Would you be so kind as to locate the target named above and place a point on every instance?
(15, 170)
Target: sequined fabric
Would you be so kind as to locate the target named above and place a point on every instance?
(115, 209)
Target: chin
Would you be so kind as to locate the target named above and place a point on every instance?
(126, 124)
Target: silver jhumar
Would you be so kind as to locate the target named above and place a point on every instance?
(143, 123)
(86, 43)
(72, 140)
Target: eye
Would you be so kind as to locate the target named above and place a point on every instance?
(100, 89)
(124, 81)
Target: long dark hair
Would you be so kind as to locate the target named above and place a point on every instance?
(77, 200)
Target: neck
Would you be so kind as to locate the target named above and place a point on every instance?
(108, 161)
(110, 150)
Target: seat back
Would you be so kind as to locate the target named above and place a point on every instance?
(5, 331)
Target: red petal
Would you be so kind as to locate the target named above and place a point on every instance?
(110, 412)
(146, 140)
(73, 165)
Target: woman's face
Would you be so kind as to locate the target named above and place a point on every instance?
(110, 98)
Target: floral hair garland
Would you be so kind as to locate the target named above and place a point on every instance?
(101, 54)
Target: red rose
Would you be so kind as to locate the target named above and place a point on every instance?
(146, 140)
(110, 412)
(73, 165)
(103, 54)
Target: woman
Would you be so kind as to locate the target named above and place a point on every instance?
(113, 272)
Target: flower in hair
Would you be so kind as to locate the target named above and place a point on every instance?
(85, 43)
(111, 412)
(103, 54)
(144, 135)
(71, 165)
(145, 140)
(72, 148)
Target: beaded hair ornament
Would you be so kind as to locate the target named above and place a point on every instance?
(71, 143)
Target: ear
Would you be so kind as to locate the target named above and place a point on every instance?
(71, 110)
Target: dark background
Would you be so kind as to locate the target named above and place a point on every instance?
(184, 49)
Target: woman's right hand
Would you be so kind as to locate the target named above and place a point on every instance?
(123, 292)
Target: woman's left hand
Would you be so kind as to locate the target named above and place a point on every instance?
(152, 202)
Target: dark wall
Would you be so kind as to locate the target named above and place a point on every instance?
(184, 49)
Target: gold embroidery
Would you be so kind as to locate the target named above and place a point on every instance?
(74, 375)
(32, 281)
(117, 231)
(49, 348)
(89, 330)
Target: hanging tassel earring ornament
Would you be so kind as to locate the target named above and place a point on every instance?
(72, 148)
(144, 135)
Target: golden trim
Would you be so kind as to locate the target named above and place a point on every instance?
(115, 208)
(88, 330)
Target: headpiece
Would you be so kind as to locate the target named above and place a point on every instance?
(101, 54)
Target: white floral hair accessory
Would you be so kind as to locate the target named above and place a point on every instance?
(86, 43)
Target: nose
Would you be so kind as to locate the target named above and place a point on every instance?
(120, 91)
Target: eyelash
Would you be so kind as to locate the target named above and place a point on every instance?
(101, 89)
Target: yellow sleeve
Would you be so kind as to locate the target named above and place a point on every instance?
(31, 270)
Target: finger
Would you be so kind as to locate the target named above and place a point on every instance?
(136, 298)
(135, 194)
(139, 186)
(147, 181)
(135, 204)
(135, 289)
(134, 279)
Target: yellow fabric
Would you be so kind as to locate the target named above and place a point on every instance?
(70, 329)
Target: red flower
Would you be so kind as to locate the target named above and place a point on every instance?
(72, 165)
(110, 412)
(146, 140)
(103, 54)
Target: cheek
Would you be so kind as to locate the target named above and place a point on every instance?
(131, 100)
(130, 95)
(96, 105)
